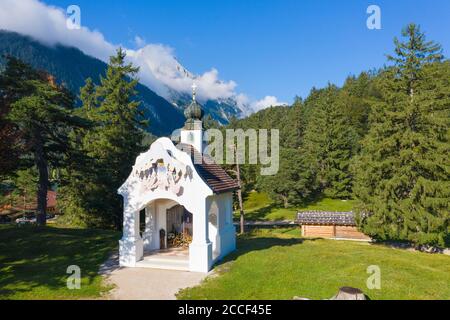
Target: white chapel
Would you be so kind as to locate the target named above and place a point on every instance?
(178, 204)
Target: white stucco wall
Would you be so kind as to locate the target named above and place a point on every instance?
(222, 233)
(155, 221)
(193, 137)
(213, 219)
(151, 234)
(210, 241)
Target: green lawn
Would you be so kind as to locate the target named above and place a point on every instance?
(34, 261)
(278, 264)
(259, 207)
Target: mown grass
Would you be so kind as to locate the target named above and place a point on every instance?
(278, 264)
(259, 207)
(34, 261)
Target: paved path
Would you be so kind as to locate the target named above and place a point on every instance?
(146, 284)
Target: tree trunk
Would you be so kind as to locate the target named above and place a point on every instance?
(285, 201)
(239, 193)
(241, 210)
(42, 166)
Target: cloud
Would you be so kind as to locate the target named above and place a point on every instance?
(268, 101)
(159, 68)
(48, 25)
(249, 106)
(140, 42)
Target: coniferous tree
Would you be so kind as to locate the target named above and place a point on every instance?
(329, 144)
(291, 185)
(357, 96)
(25, 188)
(109, 148)
(402, 174)
(294, 125)
(79, 176)
(42, 112)
(12, 87)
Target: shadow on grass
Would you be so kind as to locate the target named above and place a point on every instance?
(36, 259)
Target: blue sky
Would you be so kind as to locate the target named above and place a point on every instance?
(268, 47)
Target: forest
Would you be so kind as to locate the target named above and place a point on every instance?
(382, 139)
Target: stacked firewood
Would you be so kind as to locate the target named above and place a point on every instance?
(179, 240)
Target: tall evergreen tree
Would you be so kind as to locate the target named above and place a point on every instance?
(41, 111)
(291, 185)
(25, 188)
(110, 147)
(12, 87)
(294, 125)
(412, 55)
(357, 95)
(329, 144)
(402, 174)
(79, 176)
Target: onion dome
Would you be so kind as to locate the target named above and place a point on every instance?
(194, 111)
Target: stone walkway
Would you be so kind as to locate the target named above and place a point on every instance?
(146, 284)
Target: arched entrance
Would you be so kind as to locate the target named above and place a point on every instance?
(167, 235)
(179, 227)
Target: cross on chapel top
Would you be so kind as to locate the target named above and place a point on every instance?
(194, 91)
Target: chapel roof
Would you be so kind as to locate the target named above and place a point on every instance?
(212, 174)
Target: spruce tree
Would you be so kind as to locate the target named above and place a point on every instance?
(358, 94)
(79, 175)
(110, 147)
(329, 144)
(291, 185)
(25, 188)
(402, 174)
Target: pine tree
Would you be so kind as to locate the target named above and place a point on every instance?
(12, 87)
(42, 112)
(402, 174)
(291, 185)
(330, 143)
(411, 56)
(294, 125)
(79, 175)
(25, 187)
(88, 98)
(110, 147)
(358, 94)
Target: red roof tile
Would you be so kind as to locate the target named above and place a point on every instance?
(214, 175)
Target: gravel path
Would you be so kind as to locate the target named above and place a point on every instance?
(146, 284)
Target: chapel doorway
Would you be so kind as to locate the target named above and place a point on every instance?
(179, 227)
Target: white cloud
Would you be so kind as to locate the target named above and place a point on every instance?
(160, 70)
(48, 25)
(268, 101)
(248, 106)
(140, 42)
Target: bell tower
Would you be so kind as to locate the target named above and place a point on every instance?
(192, 132)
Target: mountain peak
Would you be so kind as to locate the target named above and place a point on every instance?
(72, 67)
